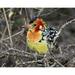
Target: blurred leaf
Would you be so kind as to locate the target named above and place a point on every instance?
(18, 23)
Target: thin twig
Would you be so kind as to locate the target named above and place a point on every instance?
(70, 45)
(33, 61)
(49, 13)
(53, 57)
(3, 33)
(40, 11)
(17, 50)
(53, 64)
(20, 32)
(21, 51)
(30, 62)
(11, 42)
(46, 63)
(60, 50)
(61, 28)
(58, 62)
(27, 19)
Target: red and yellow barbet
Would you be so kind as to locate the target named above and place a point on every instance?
(35, 39)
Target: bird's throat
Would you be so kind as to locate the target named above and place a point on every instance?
(34, 36)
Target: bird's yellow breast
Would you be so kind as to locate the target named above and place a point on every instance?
(34, 44)
(40, 47)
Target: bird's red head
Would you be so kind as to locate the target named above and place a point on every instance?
(40, 24)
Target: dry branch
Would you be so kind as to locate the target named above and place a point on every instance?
(11, 42)
(62, 27)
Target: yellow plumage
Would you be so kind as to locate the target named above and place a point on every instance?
(39, 47)
(35, 41)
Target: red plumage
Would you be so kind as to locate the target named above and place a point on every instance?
(39, 22)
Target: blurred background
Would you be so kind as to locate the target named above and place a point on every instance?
(13, 47)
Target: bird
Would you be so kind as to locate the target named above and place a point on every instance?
(39, 35)
(35, 39)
